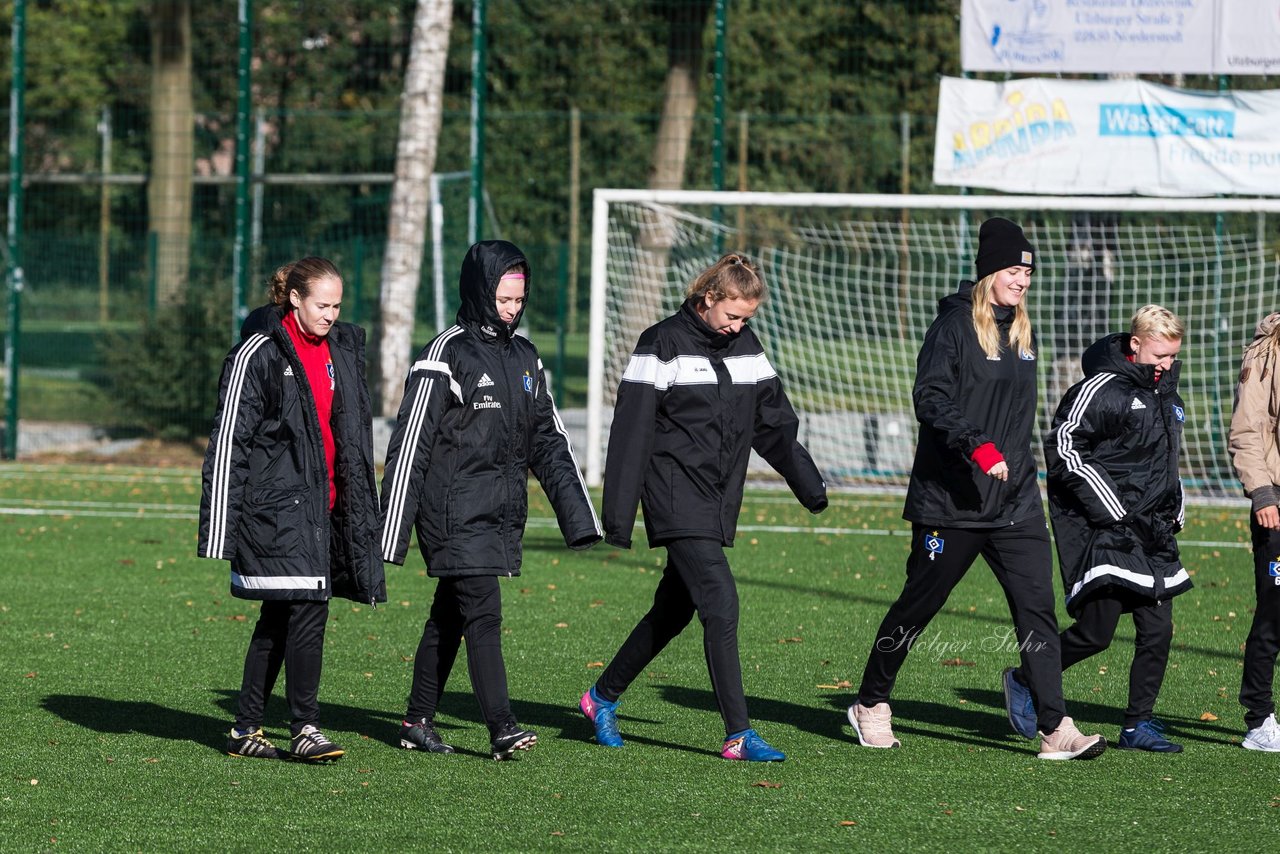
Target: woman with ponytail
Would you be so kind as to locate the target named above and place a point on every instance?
(973, 491)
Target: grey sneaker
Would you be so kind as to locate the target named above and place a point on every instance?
(421, 734)
(1265, 736)
(1067, 742)
(874, 726)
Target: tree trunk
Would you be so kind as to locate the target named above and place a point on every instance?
(420, 116)
(169, 194)
(687, 21)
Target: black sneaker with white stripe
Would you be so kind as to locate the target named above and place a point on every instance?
(511, 738)
(311, 745)
(421, 734)
(251, 743)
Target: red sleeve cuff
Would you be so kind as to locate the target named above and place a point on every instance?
(986, 456)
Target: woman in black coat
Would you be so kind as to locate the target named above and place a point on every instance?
(697, 396)
(289, 495)
(973, 491)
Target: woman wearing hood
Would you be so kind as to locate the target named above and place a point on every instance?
(697, 396)
(1255, 453)
(476, 417)
(973, 491)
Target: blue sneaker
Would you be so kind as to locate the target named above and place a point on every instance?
(1018, 705)
(604, 715)
(1148, 735)
(750, 747)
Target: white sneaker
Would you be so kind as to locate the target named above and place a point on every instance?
(1067, 742)
(1265, 736)
(873, 726)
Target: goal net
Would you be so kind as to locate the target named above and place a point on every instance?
(854, 282)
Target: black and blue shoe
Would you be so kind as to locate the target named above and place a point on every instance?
(1018, 705)
(1147, 735)
(604, 716)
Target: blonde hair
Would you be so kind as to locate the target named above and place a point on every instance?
(1154, 321)
(732, 277)
(984, 322)
(299, 276)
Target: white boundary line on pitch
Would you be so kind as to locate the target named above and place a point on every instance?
(112, 510)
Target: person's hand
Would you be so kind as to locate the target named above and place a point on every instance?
(1000, 471)
(1269, 517)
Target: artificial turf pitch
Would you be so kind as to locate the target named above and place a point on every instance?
(122, 657)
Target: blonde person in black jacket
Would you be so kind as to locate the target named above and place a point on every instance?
(973, 491)
(289, 495)
(477, 416)
(697, 396)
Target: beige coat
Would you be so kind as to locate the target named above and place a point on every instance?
(1255, 420)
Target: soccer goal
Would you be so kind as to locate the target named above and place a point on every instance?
(854, 282)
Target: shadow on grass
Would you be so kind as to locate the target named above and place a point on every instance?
(1178, 728)
(101, 714)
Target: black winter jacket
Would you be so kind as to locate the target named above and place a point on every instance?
(691, 405)
(264, 501)
(476, 417)
(963, 400)
(1115, 497)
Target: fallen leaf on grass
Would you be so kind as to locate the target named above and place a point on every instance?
(843, 683)
(790, 640)
(595, 664)
(766, 784)
(956, 662)
(1020, 809)
(557, 833)
(31, 675)
(848, 824)
(1208, 716)
(562, 625)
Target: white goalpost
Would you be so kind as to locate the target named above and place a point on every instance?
(854, 282)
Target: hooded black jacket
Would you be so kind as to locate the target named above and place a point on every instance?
(264, 501)
(476, 417)
(1115, 497)
(963, 400)
(691, 405)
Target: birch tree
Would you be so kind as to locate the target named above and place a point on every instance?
(420, 117)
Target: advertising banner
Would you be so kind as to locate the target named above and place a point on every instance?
(1085, 137)
(1121, 36)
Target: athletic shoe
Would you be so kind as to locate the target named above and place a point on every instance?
(874, 726)
(1147, 735)
(604, 716)
(748, 746)
(251, 743)
(1018, 705)
(311, 745)
(421, 734)
(510, 739)
(1067, 742)
(1265, 736)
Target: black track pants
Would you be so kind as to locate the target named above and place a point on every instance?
(1264, 635)
(289, 633)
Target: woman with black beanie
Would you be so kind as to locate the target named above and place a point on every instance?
(973, 491)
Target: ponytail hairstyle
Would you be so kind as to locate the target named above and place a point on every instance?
(984, 322)
(299, 276)
(732, 277)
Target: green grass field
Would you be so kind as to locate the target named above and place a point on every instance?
(122, 657)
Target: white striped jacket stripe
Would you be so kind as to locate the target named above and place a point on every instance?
(1071, 457)
(648, 369)
(277, 582)
(220, 490)
(402, 472)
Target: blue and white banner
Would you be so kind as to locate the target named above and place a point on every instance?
(1121, 36)
(1086, 137)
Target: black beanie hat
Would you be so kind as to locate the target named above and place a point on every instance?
(1002, 244)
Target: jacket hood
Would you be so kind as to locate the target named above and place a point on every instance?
(484, 265)
(1110, 355)
(261, 320)
(1266, 326)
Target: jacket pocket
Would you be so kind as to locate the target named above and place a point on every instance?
(275, 521)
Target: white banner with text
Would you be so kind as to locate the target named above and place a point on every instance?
(1086, 137)
(1121, 36)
